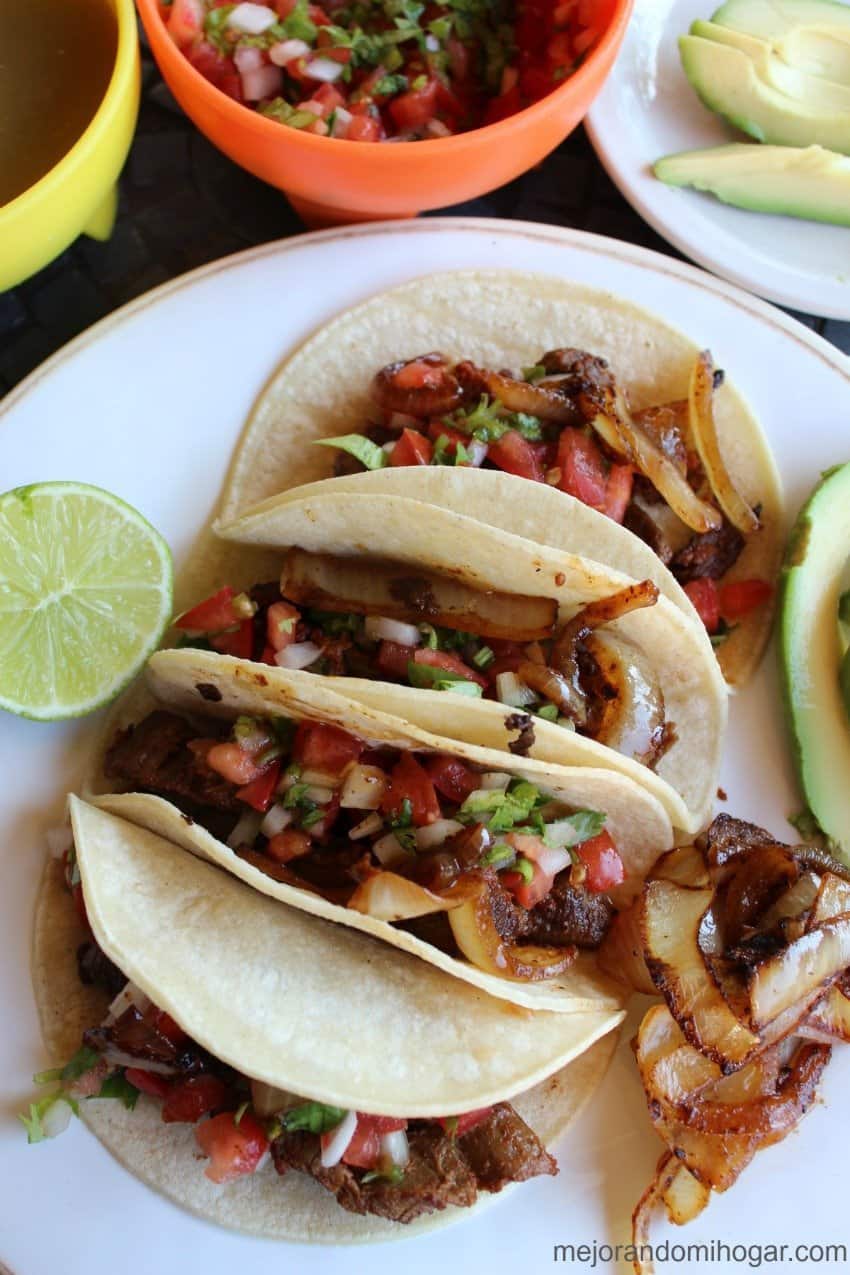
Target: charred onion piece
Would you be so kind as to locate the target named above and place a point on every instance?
(619, 430)
(684, 865)
(830, 1018)
(833, 898)
(556, 688)
(518, 396)
(631, 720)
(673, 915)
(374, 586)
(438, 395)
(388, 896)
(475, 933)
(620, 954)
(799, 972)
(704, 431)
(651, 1200)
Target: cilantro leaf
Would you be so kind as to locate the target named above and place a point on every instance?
(313, 1117)
(359, 446)
(573, 829)
(118, 1086)
(394, 1175)
(426, 677)
(501, 811)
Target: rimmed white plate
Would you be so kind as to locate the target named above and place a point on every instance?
(647, 109)
(149, 404)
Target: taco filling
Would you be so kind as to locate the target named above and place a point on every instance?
(390, 622)
(565, 421)
(480, 864)
(394, 1168)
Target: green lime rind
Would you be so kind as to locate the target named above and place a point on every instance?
(810, 654)
(86, 588)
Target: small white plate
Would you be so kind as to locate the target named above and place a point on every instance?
(149, 403)
(648, 109)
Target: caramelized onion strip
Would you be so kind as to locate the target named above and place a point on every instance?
(704, 432)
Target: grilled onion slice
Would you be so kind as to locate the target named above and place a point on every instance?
(683, 865)
(620, 954)
(388, 896)
(399, 591)
(799, 972)
(704, 431)
(476, 935)
(672, 918)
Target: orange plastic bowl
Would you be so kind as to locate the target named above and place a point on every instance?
(331, 180)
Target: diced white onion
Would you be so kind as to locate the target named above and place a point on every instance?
(389, 850)
(510, 690)
(494, 779)
(248, 60)
(298, 655)
(267, 81)
(324, 69)
(59, 840)
(389, 448)
(276, 818)
(434, 834)
(363, 788)
(386, 630)
(561, 832)
(318, 795)
(432, 44)
(394, 1148)
(56, 1118)
(553, 861)
(251, 19)
(129, 995)
(341, 120)
(245, 832)
(336, 1143)
(436, 128)
(287, 51)
(367, 827)
(476, 450)
(324, 778)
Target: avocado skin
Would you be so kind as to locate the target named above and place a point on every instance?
(809, 183)
(821, 746)
(725, 79)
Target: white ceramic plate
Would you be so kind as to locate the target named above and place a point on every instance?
(149, 404)
(647, 109)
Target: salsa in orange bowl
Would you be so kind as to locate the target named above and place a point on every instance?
(385, 70)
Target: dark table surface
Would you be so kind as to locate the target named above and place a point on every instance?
(183, 204)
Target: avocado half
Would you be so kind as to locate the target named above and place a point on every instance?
(807, 182)
(811, 654)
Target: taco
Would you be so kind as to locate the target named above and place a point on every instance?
(501, 871)
(340, 1093)
(405, 600)
(609, 409)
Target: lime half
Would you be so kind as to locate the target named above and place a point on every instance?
(85, 596)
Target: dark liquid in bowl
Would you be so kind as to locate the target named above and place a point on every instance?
(56, 60)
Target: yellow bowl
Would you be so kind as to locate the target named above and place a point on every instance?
(79, 194)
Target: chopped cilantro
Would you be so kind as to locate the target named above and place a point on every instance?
(442, 455)
(359, 446)
(118, 1086)
(484, 657)
(312, 817)
(426, 677)
(390, 84)
(313, 1117)
(429, 633)
(498, 856)
(216, 30)
(575, 828)
(239, 1113)
(525, 868)
(549, 712)
(84, 1059)
(501, 811)
(298, 25)
(401, 823)
(295, 797)
(488, 422)
(394, 1174)
(33, 1120)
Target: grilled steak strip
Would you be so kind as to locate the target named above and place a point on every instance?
(154, 756)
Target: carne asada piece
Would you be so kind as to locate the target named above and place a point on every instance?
(154, 756)
(708, 555)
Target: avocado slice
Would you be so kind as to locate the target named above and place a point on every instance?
(813, 35)
(811, 652)
(816, 93)
(807, 182)
(727, 82)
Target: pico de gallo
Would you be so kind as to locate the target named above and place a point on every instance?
(390, 622)
(485, 865)
(393, 1167)
(565, 422)
(385, 70)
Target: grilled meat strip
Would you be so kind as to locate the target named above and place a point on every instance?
(442, 1170)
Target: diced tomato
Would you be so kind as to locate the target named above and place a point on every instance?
(393, 659)
(515, 455)
(619, 491)
(212, 615)
(233, 763)
(186, 22)
(450, 777)
(318, 15)
(415, 108)
(234, 1150)
(582, 469)
(80, 904)
(328, 95)
(326, 748)
(282, 625)
(365, 1146)
(412, 448)
(528, 893)
(411, 782)
(260, 791)
(239, 643)
(535, 82)
(167, 1027)
(457, 1126)
(268, 655)
(292, 843)
(147, 1082)
(450, 662)
(705, 597)
(284, 7)
(499, 108)
(219, 70)
(602, 859)
(190, 1099)
(417, 374)
(740, 597)
(363, 128)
